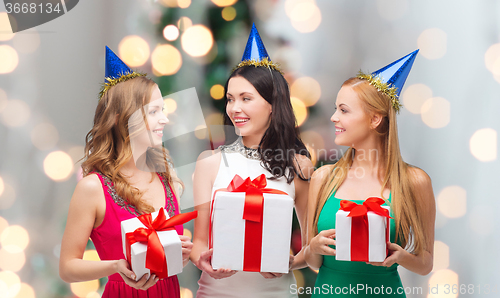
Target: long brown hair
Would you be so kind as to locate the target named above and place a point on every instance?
(281, 141)
(409, 228)
(107, 147)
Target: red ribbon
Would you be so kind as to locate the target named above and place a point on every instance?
(156, 260)
(252, 214)
(359, 229)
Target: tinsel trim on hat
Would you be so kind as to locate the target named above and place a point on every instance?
(383, 87)
(110, 82)
(264, 62)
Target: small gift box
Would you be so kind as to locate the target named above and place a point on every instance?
(251, 227)
(151, 243)
(362, 231)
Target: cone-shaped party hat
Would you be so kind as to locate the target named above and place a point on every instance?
(391, 78)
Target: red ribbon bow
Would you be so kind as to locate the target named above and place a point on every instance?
(252, 214)
(371, 204)
(155, 255)
(359, 228)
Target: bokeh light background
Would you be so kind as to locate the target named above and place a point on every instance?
(50, 76)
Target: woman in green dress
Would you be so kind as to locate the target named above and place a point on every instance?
(372, 166)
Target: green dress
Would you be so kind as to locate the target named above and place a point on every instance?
(354, 279)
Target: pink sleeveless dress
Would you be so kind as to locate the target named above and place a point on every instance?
(108, 242)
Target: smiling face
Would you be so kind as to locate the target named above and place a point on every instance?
(247, 109)
(155, 117)
(352, 123)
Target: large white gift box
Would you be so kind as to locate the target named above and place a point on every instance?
(170, 241)
(363, 237)
(229, 232)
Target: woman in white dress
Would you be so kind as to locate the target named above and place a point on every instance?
(258, 105)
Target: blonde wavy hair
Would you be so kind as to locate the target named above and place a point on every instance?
(409, 228)
(108, 148)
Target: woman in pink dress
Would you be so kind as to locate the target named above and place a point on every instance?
(126, 173)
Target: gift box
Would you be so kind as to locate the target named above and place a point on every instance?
(251, 227)
(362, 231)
(151, 243)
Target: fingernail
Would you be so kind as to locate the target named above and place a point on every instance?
(132, 276)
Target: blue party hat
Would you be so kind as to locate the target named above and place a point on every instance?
(116, 71)
(255, 49)
(391, 78)
(255, 53)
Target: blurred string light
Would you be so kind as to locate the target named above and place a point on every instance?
(200, 132)
(14, 239)
(314, 143)
(186, 293)
(441, 256)
(183, 3)
(217, 91)
(432, 43)
(10, 284)
(8, 197)
(85, 288)
(197, 40)
(16, 113)
(440, 279)
(8, 59)
(492, 60)
(392, 10)
(209, 57)
(44, 136)
(307, 89)
(184, 23)
(26, 291)
(11, 261)
(169, 106)
(170, 32)
(452, 201)
(228, 13)
(134, 50)
(299, 109)
(313, 139)
(58, 166)
(169, 3)
(188, 233)
(5, 28)
(215, 122)
(435, 112)
(304, 15)
(483, 144)
(166, 60)
(414, 97)
(26, 43)
(223, 3)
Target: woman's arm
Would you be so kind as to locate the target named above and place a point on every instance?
(82, 215)
(419, 263)
(305, 168)
(87, 202)
(204, 176)
(317, 245)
